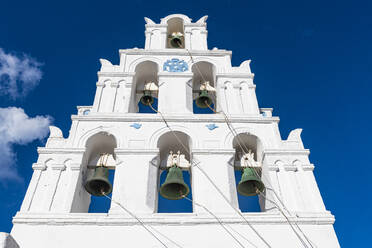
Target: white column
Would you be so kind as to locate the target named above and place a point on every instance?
(148, 39)
(53, 184)
(188, 39)
(230, 98)
(270, 180)
(163, 39)
(220, 95)
(172, 92)
(213, 181)
(128, 97)
(72, 185)
(97, 97)
(30, 193)
(248, 98)
(286, 186)
(135, 182)
(312, 186)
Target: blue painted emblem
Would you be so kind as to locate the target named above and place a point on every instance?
(175, 65)
(211, 126)
(86, 112)
(136, 125)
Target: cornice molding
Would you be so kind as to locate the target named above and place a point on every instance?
(205, 151)
(121, 151)
(120, 219)
(179, 52)
(132, 117)
(115, 74)
(44, 150)
(273, 152)
(235, 75)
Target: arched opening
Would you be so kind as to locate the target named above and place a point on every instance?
(175, 33)
(248, 150)
(146, 88)
(203, 87)
(99, 147)
(171, 145)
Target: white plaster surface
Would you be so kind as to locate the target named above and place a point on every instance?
(54, 212)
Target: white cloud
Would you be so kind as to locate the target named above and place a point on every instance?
(18, 74)
(16, 127)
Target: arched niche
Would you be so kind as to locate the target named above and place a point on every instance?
(145, 72)
(243, 143)
(175, 25)
(203, 71)
(174, 141)
(96, 145)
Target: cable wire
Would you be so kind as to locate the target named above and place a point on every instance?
(134, 216)
(219, 221)
(241, 144)
(172, 131)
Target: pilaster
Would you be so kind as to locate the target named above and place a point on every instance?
(213, 181)
(172, 92)
(30, 193)
(136, 181)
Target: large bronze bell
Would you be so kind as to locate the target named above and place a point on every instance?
(175, 42)
(203, 100)
(174, 188)
(250, 184)
(99, 184)
(147, 98)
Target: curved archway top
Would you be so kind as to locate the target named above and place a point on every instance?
(84, 138)
(133, 65)
(185, 18)
(196, 60)
(229, 138)
(153, 141)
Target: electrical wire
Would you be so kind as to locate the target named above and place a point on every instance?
(281, 211)
(172, 131)
(245, 150)
(134, 216)
(235, 134)
(219, 221)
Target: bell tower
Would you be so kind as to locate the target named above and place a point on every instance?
(172, 125)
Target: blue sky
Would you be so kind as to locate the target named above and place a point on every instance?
(312, 61)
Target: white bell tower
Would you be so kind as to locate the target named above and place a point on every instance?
(174, 103)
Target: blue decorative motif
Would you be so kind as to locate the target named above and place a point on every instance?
(211, 126)
(136, 125)
(175, 65)
(86, 112)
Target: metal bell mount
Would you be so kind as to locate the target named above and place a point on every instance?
(99, 184)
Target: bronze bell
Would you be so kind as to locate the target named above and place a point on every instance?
(250, 184)
(175, 42)
(174, 188)
(147, 99)
(203, 100)
(99, 184)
